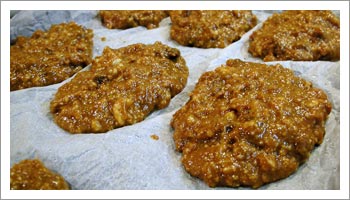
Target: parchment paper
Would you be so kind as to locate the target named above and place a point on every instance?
(127, 157)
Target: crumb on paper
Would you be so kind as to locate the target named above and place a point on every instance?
(155, 137)
(103, 39)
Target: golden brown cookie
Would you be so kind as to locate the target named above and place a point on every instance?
(210, 28)
(50, 57)
(248, 124)
(123, 19)
(123, 86)
(301, 35)
(33, 175)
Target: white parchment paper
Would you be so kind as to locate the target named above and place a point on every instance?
(127, 157)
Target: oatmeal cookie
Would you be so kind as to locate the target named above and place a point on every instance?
(210, 28)
(50, 57)
(248, 124)
(123, 86)
(299, 35)
(33, 175)
(123, 19)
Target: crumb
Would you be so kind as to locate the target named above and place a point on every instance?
(155, 137)
(103, 39)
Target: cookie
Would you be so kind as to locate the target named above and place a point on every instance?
(210, 28)
(33, 175)
(123, 19)
(248, 124)
(299, 35)
(123, 86)
(50, 57)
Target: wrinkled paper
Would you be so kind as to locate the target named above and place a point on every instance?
(127, 157)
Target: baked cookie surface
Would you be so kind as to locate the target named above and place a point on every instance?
(50, 57)
(123, 86)
(248, 124)
(123, 19)
(210, 28)
(33, 175)
(298, 35)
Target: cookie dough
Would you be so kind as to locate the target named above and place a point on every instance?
(210, 28)
(50, 57)
(33, 175)
(300, 35)
(123, 86)
(248, 124)
(123, 19)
